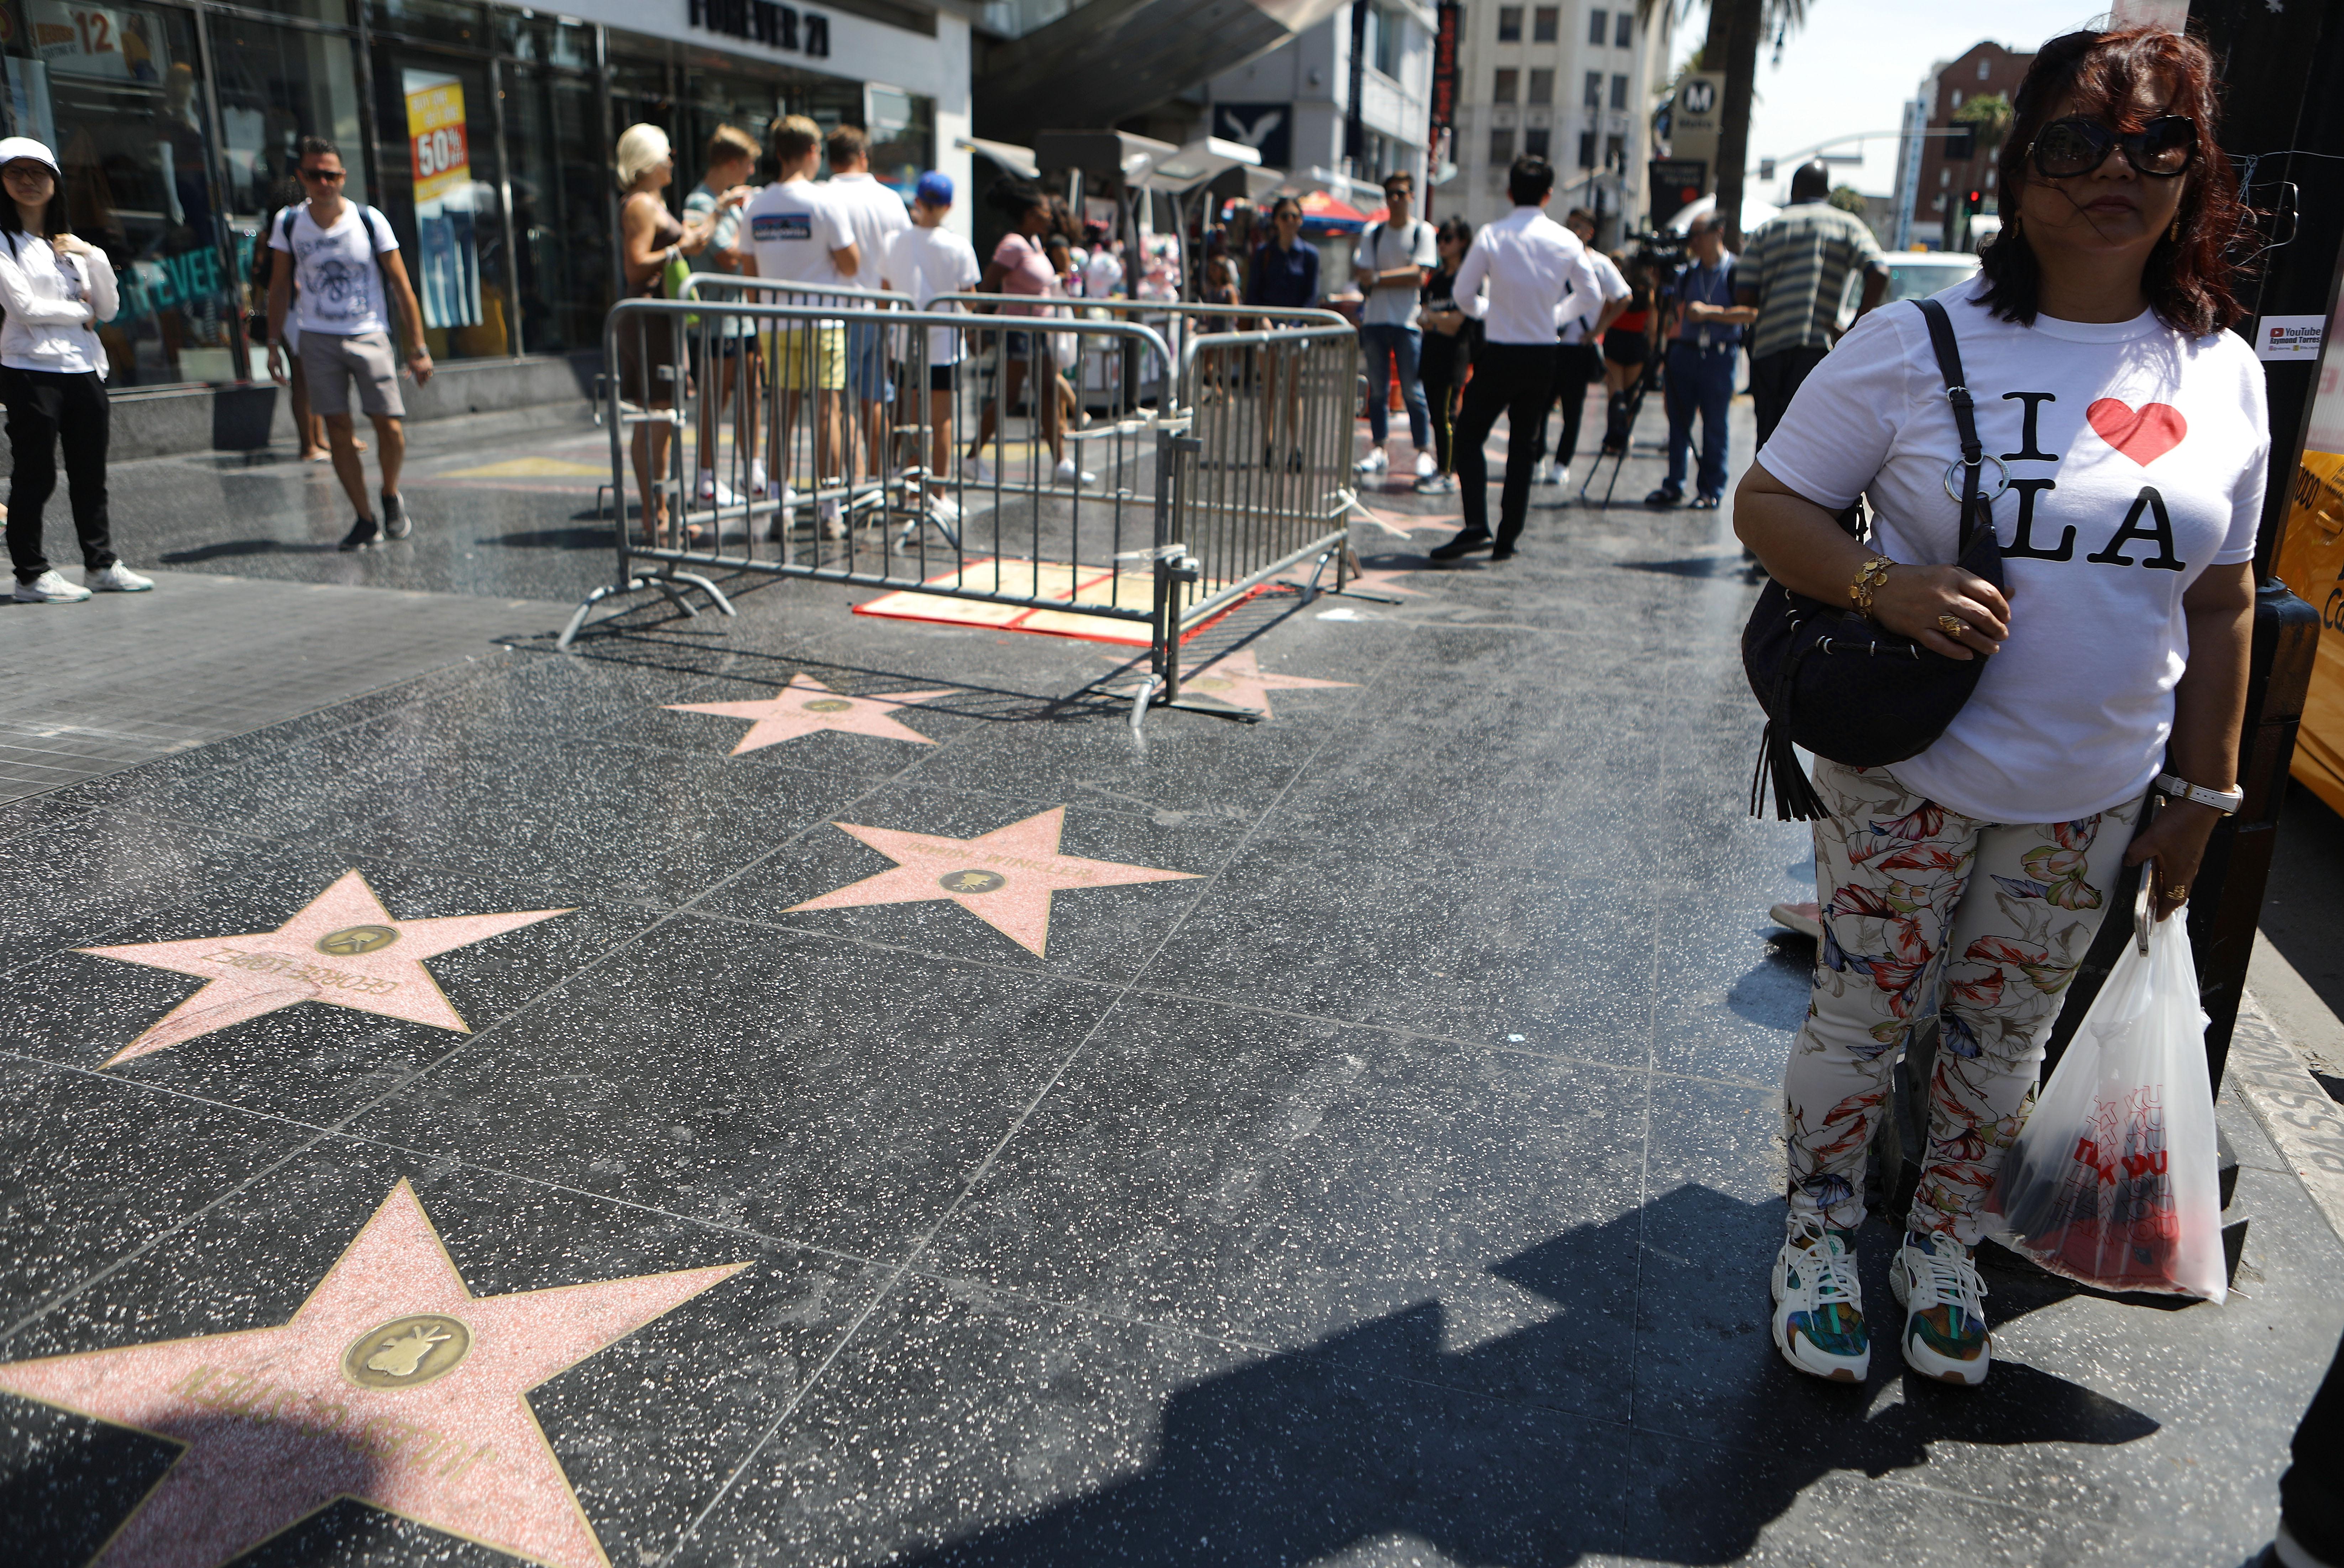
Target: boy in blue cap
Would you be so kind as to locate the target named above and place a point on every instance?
(926, 260)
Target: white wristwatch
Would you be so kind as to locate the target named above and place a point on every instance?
(2228, 805)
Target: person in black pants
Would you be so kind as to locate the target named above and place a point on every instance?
(54, 288)
(1531, 265)
(1448, 350)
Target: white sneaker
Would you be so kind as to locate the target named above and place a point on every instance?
(1375, 462)
(1819, 1304)
(1425, 466)
(1438, 484)
(977, 470)
(944, 508)
(116, 579)
(1938, 1285)
(834, 526)
(1543, 473)
(49, 588)
(1806, 919)
(757, 479)
(716, 490)
(1562, 476)
(1069, 474)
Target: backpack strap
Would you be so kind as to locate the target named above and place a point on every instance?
(1975, 512)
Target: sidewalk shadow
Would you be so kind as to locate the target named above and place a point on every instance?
(1380, 1432)
(230, 549)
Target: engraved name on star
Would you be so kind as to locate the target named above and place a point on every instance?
(1238, 679)
(805, 705)
(392, 1384)
(343, 947)
(1004, 878)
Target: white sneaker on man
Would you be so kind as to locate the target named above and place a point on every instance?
(1069, 474)
(833, 525)
(1937, 1283)
(1819, 1304)
(49, 588)
(1562, 477)
(1543, 473)
(116, 579)
(1437, 484)
(716, 490)
(976, 470)
(757, 477)
(1425, 466)
(1375, 462)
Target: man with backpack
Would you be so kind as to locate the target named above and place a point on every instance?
(1395, 258)
(347, 261)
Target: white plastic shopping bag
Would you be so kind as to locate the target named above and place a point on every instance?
(2112, 1180)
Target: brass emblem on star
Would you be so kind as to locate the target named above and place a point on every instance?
(407, 1353)
(825, 705)
(353, 940)
(971, 881)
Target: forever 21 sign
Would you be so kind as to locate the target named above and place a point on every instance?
(764, 22)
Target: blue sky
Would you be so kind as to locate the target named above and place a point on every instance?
(1853, 65)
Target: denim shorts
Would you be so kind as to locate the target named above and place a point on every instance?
(867, 362)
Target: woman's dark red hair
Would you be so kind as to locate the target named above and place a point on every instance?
(2188, 279)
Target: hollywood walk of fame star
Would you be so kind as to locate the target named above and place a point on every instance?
(1004, 878)
(806, 706)
(1239, 680)
(342, 947)
(392, 1384)
(1381, 581)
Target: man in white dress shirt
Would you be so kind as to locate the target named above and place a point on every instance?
(1531, 265)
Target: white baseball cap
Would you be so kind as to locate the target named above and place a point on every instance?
(14, 147)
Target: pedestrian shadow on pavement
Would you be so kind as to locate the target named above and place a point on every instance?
(230, 549)
(1731, 567)
(583, 538)
(1522, 1448)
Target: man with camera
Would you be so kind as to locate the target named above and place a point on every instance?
(1703, 333)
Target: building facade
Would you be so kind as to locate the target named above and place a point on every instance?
(483, 132)
(1941, 185)
(1573, 83)
(1293, 103)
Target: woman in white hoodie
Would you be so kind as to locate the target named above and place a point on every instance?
(54, 288)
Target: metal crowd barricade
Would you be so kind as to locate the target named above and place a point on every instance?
(766, 429)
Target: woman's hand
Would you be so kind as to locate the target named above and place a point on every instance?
(71, 245)
(1913, 598)
(2176, 841)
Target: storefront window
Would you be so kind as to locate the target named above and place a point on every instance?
(903, 137)
(114, 92)
(337, 12)
(277, 85)
(564, 202)
(435, 156)
(543, 40)
(442, 20)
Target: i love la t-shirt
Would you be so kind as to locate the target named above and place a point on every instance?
(2136, 457)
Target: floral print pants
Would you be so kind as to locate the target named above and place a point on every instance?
(1927, 911)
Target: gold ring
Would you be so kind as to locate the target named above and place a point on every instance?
(1953, 625)
(2178, 892)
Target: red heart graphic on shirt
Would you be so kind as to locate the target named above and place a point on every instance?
(2144, 435)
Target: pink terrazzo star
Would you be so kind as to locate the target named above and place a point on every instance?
(1004, 878)
(806, 706)
(1381, 581)
(343, 948)
(1239, 680)
(393, 1384)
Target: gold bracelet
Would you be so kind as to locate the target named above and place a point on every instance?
(1868, 579)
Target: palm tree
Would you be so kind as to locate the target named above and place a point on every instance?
(1736, 27)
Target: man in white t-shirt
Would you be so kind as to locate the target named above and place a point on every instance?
(924, 262)
(799, 234)
(1395, 256)
(348, 262)
(1578, 357)
(875, 214)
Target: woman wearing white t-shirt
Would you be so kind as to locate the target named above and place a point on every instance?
(2135, 434)
(54, 288)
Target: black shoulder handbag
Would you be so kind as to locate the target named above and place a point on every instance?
(1841, 686)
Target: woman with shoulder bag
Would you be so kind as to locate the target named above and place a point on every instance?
(2121, 436)
(54, 289)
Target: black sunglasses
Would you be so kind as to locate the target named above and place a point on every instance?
(2159, 149)
(326, 175)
